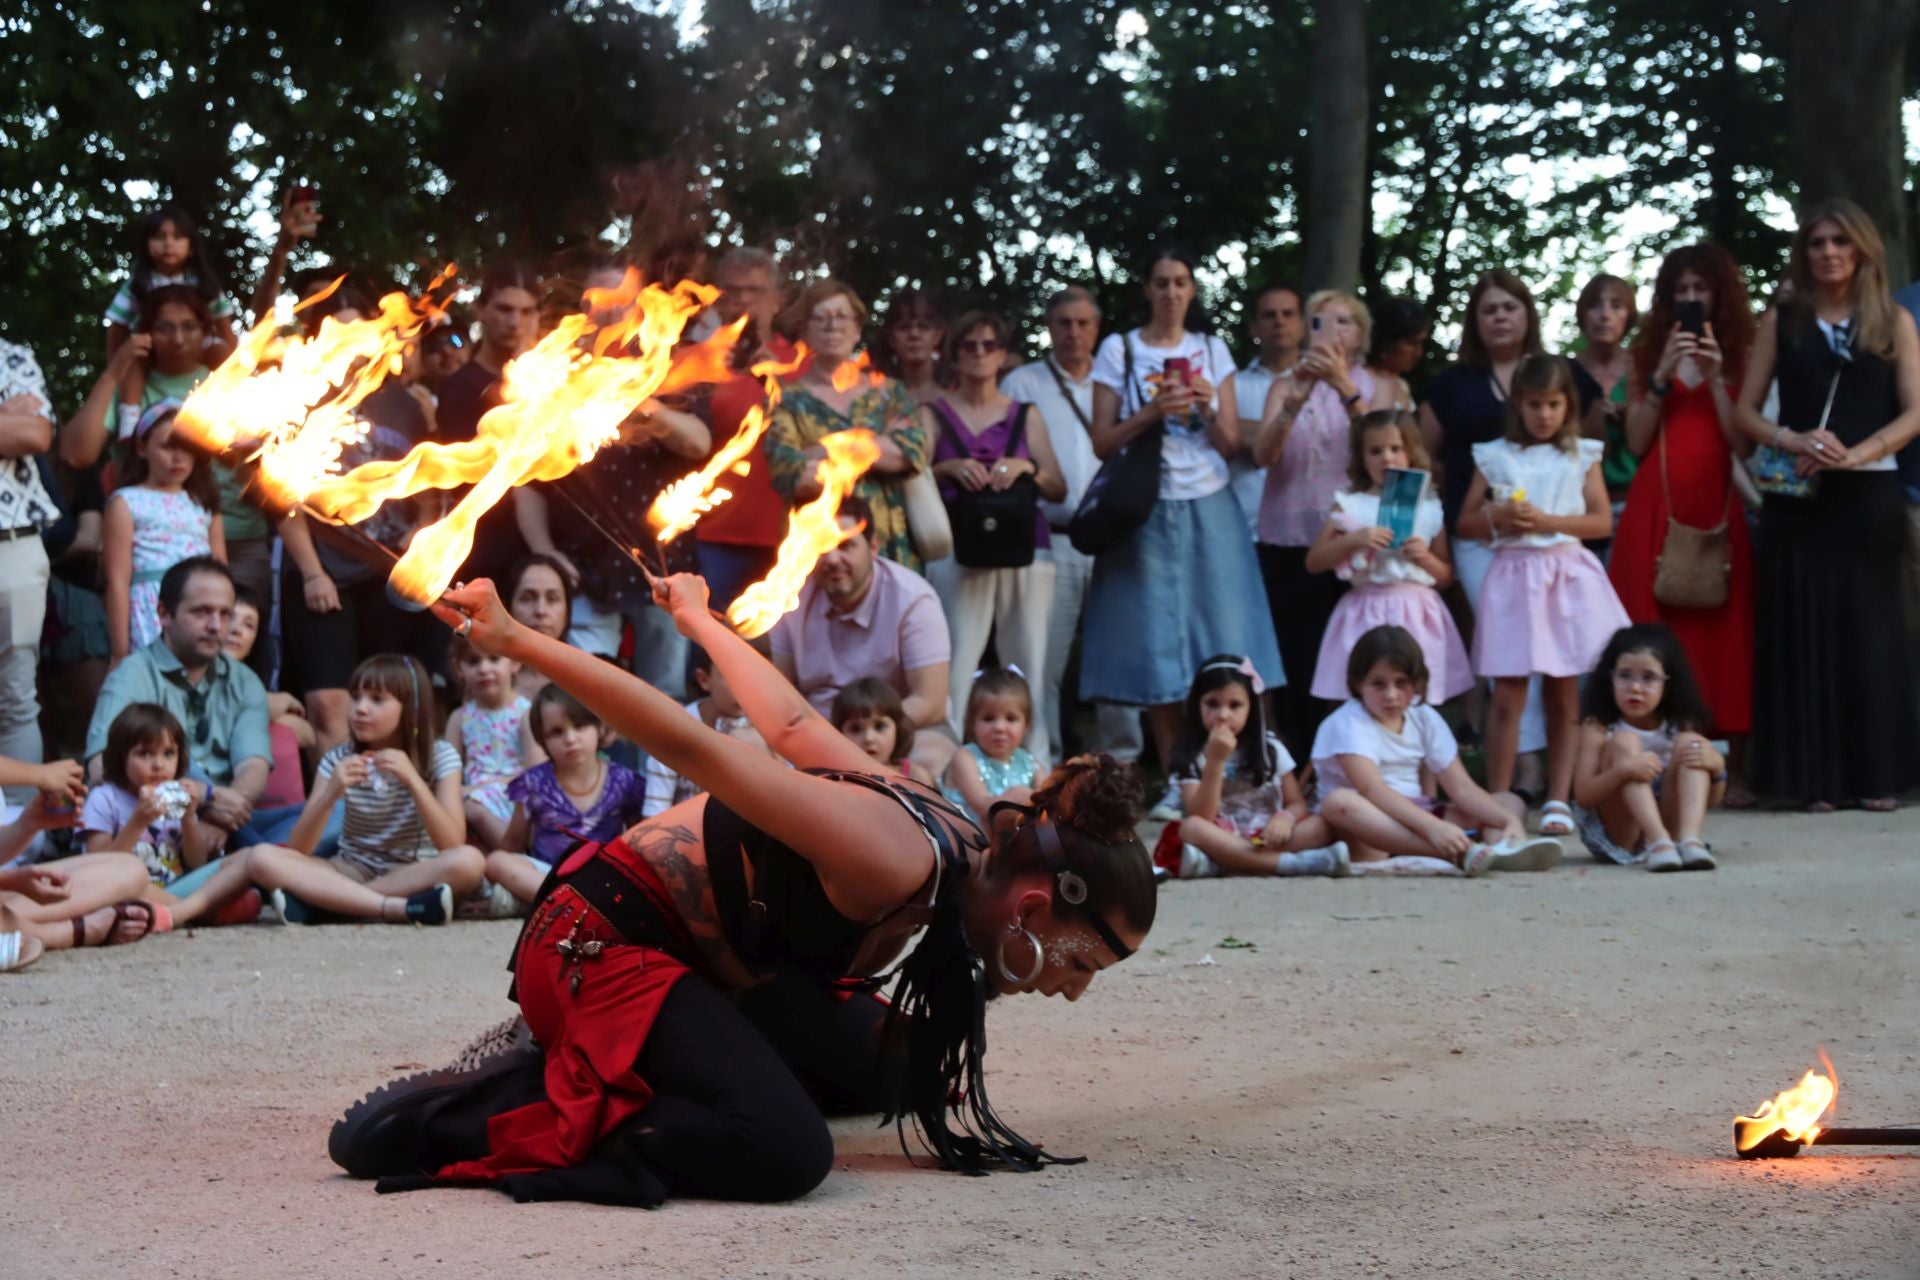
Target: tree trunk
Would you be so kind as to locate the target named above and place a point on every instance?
(1337, 172)
(1845, 66)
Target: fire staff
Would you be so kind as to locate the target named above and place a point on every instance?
(700, 987)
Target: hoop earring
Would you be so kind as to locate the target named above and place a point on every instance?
(1039, 960)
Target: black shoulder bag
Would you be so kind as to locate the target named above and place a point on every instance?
(1125, 488)
(993, 528)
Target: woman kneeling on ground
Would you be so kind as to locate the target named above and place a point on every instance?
(690, 982)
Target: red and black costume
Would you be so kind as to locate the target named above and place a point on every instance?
(654, 1082)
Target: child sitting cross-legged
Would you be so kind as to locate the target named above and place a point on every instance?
(403, 852)
(1245, 814)
(1369, 755)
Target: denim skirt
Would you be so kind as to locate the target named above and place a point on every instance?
(1183, 587)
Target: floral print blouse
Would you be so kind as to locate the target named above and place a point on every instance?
(803, 419)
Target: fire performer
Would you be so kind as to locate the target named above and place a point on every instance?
(697, 985)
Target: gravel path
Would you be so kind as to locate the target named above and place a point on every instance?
(1528, 1076)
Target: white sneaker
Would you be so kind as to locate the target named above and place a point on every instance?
(1542, 853)
(1478, 862)
(1169, 808)
(1195, 865)
(501, 904)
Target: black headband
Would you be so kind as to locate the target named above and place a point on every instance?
(1069, 884)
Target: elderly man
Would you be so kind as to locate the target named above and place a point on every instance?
(26, 430)
(219, 702)
(865, 616)
(1061, 387)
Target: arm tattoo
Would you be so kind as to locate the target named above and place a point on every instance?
(675, 852)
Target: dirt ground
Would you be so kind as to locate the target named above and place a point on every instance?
(1528, 1076)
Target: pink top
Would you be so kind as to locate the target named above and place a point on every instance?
(286, 782)
(897, 628)
(1312, 467)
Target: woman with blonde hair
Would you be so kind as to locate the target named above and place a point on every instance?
(1305, 441)
(1834, 716)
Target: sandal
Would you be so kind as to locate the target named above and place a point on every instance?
(156, 919)
(18, 950)
(1880, 804)
(1556, 818)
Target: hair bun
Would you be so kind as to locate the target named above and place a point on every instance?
(1097, 795)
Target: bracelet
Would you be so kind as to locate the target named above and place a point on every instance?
(1778, 434)
(1351, 400)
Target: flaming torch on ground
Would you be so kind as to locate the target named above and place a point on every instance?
(1791, 1120)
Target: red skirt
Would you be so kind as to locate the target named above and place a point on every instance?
(592, 1036)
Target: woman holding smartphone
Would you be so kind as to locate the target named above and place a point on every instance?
(1682, 428)
(1305, 443)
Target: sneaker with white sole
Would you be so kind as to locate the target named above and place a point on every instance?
(430, 906)
(1541, 853)
(1695, 856)
(1329, 861)
(1169, 808)
(289, 908)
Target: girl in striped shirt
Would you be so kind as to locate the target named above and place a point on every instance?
(403, 852)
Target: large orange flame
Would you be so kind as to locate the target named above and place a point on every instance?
(290, 399)
(812, 531)
(1796, 1112)
(561, 402)
(682, 503)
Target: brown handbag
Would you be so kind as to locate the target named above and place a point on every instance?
(1694, 569)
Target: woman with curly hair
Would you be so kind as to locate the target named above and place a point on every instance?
(1682, 426)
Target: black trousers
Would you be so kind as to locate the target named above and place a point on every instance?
(1302, 605)
(739, 1092)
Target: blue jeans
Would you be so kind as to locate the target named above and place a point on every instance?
(730, 569)
(273, 826)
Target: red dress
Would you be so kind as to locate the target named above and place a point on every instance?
(1718, 642)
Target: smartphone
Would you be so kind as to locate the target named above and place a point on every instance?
(1692, 316)
(1314, 324)
(303, 193)
(1179, 367)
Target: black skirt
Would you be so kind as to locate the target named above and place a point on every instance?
(1836, 717)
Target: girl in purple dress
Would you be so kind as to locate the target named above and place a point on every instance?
(577, 795)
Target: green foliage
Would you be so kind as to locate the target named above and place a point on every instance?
(989, 149)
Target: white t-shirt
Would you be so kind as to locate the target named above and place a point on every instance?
(1351, 731)
(1190, 467)
(1250, 388)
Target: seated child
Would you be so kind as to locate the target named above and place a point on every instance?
(1245, 814)
(144, 806)
(869, 714)
(1369, 754)
(576, 795)
(993, 763)
(718, 710)
(495, 741)
(1645, 773)
(287, 726)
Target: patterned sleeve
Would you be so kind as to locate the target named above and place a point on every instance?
(221, 307)
(913, 438)
(782, 446)
(331, 761)
(633, 798)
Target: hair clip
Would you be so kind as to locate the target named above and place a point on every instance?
(1243, 667)
(1072, 887)
(980, 671)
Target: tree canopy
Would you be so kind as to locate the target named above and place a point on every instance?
(988, 149)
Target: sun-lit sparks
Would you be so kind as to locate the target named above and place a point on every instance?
(682, 503)
(1796, 1112)
(812, 531)
(292, 398)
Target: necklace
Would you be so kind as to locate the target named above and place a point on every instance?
(599, 777)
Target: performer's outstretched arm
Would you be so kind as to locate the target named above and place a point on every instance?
(871, 855)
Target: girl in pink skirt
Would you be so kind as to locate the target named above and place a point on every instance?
(1547, 607)
(1393, 586)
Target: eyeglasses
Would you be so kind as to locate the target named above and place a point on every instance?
(979, 346)
(833, 319)
(1639, 679)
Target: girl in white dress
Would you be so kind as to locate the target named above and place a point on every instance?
(1392, 585)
